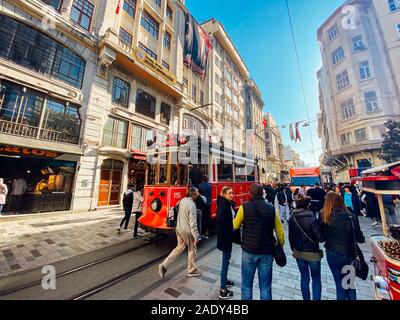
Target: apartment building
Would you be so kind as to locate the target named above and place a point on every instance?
(357, 87)
(274, 150)
(48, 61)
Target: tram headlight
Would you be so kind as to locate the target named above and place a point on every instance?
(156, 205)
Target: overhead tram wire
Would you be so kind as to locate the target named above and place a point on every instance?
(301, 74)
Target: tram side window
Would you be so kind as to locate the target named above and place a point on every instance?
(251, 173)
(240, 173)
(225, 172)
(152, 174)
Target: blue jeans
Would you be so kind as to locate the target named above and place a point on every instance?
(305, 268)
(251, 262)
(336, 263)
(226, 256)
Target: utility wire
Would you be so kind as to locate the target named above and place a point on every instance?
(300, 73)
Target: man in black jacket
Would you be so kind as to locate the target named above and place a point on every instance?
(259, 221)
(127, 203)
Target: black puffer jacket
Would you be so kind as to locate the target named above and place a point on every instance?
(224, 224)
(339, 233)
(309, 223)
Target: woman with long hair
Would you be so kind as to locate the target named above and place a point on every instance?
(225, 215)
(304, 237)
(337, 229)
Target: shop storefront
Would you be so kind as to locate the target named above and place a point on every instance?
(137, 169)
(38, 180)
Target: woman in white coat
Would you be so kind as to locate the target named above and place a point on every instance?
(3, 194)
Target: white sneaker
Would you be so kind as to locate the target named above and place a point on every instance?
(119, 229)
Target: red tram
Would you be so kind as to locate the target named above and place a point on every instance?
(173, 168)
(384, 182)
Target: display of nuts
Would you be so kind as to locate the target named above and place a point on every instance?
(391, 248)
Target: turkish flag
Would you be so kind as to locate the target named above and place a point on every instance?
(265, 123)
(118, 7)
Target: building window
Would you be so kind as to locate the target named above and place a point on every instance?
(217, 79)
(169, 13)
(147, 51)
(346, 139)
(120, 92)
(167, 41)
(394, 5)
(137, 138)
(31, 49)
(348, 109)
(342, 80)
(217, 97)
(337, 56)
(158, 3)
(165, 113)
(358, 44)
(61, 119)
(333, 32)
(360, 135)
(82, 12)
(125, 37)
(150, 24)
(382, 132)
(130, 7)
(115, 133)
(145, 104)
(371, 101)
(56, 4)
(194, 93)
(202, 98)
(365, 72)
(165, 65)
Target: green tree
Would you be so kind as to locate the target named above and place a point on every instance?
(391, 144)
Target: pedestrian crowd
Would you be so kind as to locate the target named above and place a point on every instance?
(315, 215)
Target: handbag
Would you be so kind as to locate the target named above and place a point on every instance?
(312, 241)
(279, 255)
(237, 237)
(359, 264)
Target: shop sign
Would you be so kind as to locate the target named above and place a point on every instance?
(28, 152)
(138, 155)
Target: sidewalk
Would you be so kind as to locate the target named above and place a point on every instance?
(31, 241)
(286, 281)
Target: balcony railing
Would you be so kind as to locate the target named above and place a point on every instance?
(27, 131)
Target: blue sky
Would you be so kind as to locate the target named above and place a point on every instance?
(261, 32)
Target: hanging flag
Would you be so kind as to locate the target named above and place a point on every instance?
(118, 7)
(265, 123)
(298, 136)
(197, 47)
(291, 132)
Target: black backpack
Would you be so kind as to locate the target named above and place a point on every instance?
(173, 216)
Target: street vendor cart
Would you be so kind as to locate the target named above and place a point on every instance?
(384, 183)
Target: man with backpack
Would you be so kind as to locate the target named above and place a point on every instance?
(187, 235)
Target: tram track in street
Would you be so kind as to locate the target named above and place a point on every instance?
(179, 267)
(70, 272)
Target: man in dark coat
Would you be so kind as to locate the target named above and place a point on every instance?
(225, 215)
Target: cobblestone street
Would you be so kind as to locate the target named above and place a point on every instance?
(286, 281)
(31, 241)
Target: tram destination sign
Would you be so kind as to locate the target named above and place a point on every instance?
(27, 152)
